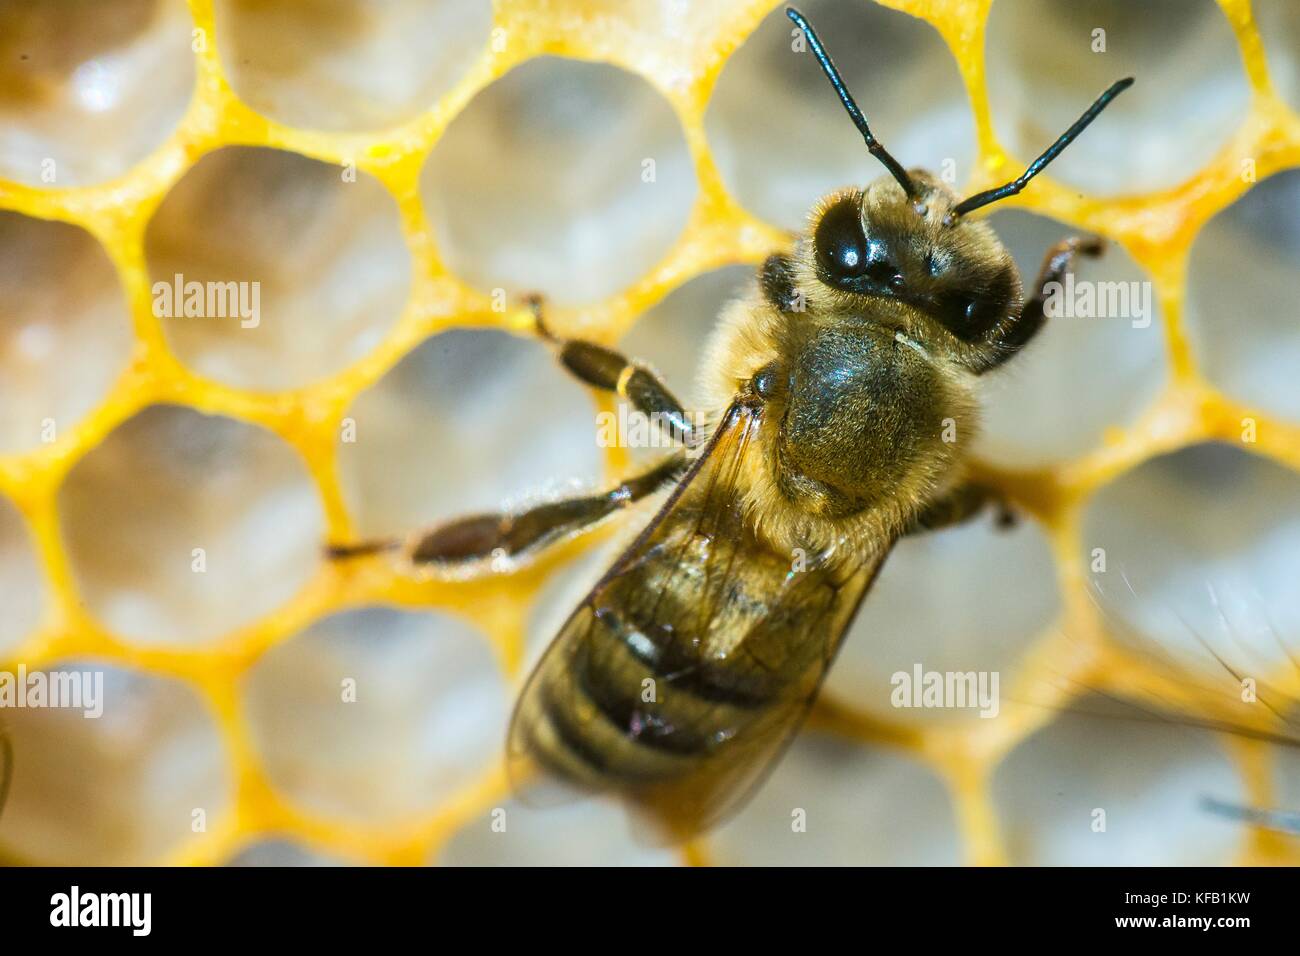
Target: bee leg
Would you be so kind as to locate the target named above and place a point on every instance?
(961, 504)
(1059, 260)
(611, 371)
(506, 536)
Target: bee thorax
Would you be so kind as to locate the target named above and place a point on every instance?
(862, 424)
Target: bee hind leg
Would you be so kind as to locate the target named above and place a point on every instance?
(961, 504)
(1059, 260)
(611, 371)
(474, 538)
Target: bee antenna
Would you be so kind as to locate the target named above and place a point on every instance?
(1037, 166)
(855, 114)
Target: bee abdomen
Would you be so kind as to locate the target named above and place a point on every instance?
(634, 705)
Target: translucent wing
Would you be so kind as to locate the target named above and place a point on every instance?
(687, 669)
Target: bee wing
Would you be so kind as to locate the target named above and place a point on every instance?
(688, 668)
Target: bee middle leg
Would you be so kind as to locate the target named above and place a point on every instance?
(961, 504)
(611, 371)
(473, 538)
(1059, 260)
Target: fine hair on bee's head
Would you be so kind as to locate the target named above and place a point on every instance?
(906, 237)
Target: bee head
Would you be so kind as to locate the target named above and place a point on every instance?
(905, 236)
(884, 243)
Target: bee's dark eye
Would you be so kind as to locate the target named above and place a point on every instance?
(841, 247)
(966, 316)
(970, 314)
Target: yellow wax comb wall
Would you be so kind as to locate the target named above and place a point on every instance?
(388, 179)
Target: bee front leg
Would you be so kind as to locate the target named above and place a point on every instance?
(961, 504)
(473, 538)
(1060, 259)
(611, 371)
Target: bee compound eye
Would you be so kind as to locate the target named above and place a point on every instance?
(840, 244)
(968, 316)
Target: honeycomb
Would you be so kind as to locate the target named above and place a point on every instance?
(392, 176)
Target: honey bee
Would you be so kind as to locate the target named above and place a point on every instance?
(681, 677)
